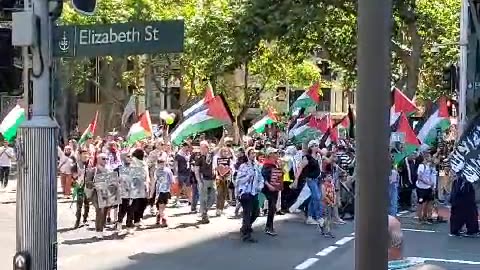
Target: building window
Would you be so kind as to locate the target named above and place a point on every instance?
(174, 96)
(281, 93)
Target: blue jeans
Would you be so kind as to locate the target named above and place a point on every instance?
(393, 195)
(314, 206)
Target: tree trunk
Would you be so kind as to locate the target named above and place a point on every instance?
(412, 59)
(246, 103)
(413, 65)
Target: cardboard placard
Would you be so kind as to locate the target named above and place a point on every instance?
(107, 187)
(132, 181)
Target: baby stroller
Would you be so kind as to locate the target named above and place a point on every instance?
(347, 198)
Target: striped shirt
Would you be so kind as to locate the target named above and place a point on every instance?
(344, 160)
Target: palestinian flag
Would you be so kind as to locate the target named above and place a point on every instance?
(200, 105)
(343, 127)
(216, 114)
(90, 131)
(309, 98)
(259, 126)
(12, 121)
(411, 142)
(309, 128)
(438, 121)
(141, 130)
(401, 104)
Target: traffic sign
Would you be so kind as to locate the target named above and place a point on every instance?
(119, 39)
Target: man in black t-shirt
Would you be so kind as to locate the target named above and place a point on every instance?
(203, 170)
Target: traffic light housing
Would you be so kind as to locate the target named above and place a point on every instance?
(449, 78)
(452, 106)
(85, 7)
(10, 76)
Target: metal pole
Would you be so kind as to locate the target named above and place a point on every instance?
(37, 155)
(373, 133)
(462, 93)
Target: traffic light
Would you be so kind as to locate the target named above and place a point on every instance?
(85, 7)
(10, 76)
(452, 106)
(449, 78)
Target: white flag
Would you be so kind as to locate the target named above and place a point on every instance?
(129, 110)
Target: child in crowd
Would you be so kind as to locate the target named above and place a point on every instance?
(163, 184)
(328, 191)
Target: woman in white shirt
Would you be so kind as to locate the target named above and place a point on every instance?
(425, 185)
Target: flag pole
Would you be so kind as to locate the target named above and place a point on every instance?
(373, 57)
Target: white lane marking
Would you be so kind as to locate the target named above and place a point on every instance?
(326, 251)
(401, 213)
(414, 230)
(307, 263)
(443, 260)
(353, 233)
(344, 240)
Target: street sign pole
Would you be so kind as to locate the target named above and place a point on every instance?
(37, 159)
(462, 93)
(372, 134)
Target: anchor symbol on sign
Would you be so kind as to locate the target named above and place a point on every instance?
(64, 44)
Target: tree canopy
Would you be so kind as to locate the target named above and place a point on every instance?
(272, 41)
(330, 25)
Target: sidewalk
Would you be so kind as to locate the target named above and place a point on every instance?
(9, 195)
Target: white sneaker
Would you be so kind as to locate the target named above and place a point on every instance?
(321, 222)
(99, 235)
(294, 210)
(219, 212)
(118, 226)
(311, 221)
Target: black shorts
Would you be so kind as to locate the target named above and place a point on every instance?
(424, 195)
(163, 198)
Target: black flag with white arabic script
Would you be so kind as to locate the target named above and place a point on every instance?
(465, 158)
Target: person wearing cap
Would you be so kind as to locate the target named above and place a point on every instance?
(273, 177)
(204, 174)
(249, 182)
(288, 194)
(310, 172)
(163, 184)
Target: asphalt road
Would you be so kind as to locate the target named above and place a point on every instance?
(185, 245)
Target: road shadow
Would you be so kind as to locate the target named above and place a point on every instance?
(227, 251)
(90, 240)
(182, 214)
(184, 225)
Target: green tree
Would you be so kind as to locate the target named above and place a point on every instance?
(307, 26)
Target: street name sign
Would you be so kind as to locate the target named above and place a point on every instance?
(119, 39)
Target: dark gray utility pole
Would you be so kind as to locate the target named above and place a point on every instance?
(36, 227)
(373, 132)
